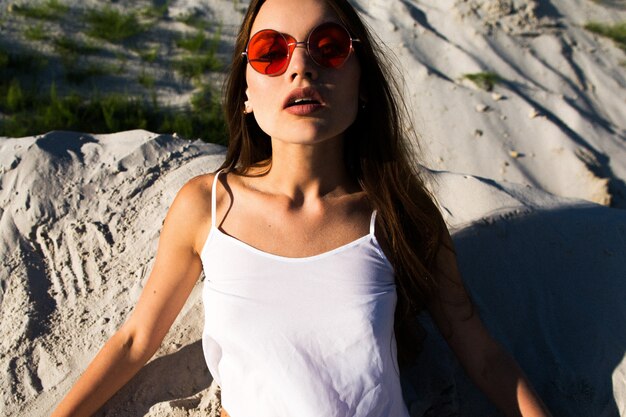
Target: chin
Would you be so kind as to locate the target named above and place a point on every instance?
(306, 138)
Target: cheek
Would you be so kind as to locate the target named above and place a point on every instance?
(260, 95)
(351, 93)
(254, 85)
(350, 78)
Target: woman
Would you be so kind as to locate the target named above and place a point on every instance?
(318, 239)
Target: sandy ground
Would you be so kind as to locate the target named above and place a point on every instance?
(516, 170)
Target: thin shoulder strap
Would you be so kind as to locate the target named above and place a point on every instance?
(214, 198)
(373, 223)
(376, 244)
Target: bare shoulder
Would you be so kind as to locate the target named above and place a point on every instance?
(195, 196)
(190, 214)
(197, 188)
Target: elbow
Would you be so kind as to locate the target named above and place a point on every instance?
(137, 347)
(495, 361)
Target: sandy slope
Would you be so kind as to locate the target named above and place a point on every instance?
(560, 106)
(80, 216)
(80, 222)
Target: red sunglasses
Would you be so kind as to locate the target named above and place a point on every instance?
(328, 45)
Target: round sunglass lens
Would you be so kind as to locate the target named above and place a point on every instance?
(268, 52)
(329, 45)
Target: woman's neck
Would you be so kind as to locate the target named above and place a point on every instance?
(309, 172)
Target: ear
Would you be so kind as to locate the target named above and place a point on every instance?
(247, 106)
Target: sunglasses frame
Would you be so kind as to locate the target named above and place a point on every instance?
(291, 47)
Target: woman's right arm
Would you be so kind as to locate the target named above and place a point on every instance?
(485, 361)
(175, 272)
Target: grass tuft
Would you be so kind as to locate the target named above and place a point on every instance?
(12, 64)
(111, 25)
(69, 45)
(76, 73)
(147, 80)
(35, 33)
(205, 119)
(194, 43)
(48, 10)
(157, 12)
(26, 111)
(484, 80)
(4, 60)
(194, 67)
(194, 21)
(616, 32)
(30, 115)
(149, 55)
(15, 96)
(202, 58)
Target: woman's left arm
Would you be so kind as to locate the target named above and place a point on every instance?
(485, 361)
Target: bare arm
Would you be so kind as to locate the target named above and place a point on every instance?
(486, 362)
(175, 272)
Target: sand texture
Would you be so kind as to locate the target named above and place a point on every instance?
(530, 176)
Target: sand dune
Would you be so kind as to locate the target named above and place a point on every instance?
(556, 119)
(80, 220)
(516, 171)
(75, 253)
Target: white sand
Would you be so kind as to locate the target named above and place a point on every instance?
(569, 81)
(80, 216)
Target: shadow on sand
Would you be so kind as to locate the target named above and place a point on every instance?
(551, 287)
(171, 378)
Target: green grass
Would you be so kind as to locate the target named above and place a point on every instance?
(71, 112)
(77, 67)
(113, 26)
(35, 33)
(484, 80)
(146, 80)
(202, 55)
(19, 64)
(79, 73)
(156, 12)
(193, 43)
(195, 66)
(30, 114)
(47, 10)
(69, 45)
(4, 59)
(28, 107)
(15, 100)
(616, 32)
(149, 55)
(195, 21)
(204, 120)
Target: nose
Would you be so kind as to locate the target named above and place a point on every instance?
(301, 63)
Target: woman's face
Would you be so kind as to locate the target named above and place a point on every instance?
(336, 90)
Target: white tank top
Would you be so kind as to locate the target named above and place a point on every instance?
(301, 337)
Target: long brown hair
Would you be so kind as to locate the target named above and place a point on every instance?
(377, 155)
